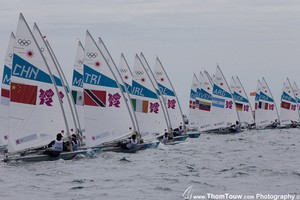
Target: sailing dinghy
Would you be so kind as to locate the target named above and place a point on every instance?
(224, 117)
(36, 113)
(126, 92)
(162, 102)
(266, 114)
(171, 101)
(107, 118)
(242, 104)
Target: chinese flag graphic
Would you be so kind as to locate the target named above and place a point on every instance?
(22, 93)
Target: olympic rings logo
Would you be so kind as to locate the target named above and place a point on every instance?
(159, 73)
(139, 73)
(24, 42)
(91, 55)
(123, 70)
(80, 62)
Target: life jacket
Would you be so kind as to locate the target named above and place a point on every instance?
(133, 141)
(58, 146)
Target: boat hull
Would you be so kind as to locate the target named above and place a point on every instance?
(43, 157)
(193, 134)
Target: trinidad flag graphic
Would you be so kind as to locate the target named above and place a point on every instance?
(94, 98)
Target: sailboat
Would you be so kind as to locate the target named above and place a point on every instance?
(127, 77)
(289, 115)
(204, 101)
(124, 85)
(173, 107)
(266, 114)
(5, 93)
(242, 104)
(146, 104)
(224, 117)
(104, 100)
(36, 113)
(162, 101)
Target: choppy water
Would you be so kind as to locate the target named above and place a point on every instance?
(266, 162)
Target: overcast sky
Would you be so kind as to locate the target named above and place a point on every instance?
(248, 38)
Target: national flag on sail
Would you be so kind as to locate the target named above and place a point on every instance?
(218, 102)
(94, 98)
(239, 106)
(203, 105)
(22, 93)
(5, 97)
(77, 97)
(285, 105)
(263, 105)
(192, 104)
(197, 104)
(140, 105)
(253, 94)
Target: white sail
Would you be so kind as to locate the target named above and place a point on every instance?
(146, 104)
(204, 101)
(105, 111)
(266, 110)
(169, 95)
(77, 84)
(125, 72)
(242, 103)
(119, 79)
(297, 96)
(288, 105)
(193, 111)
(160, 96)
(223, 110)
(5, 92)
(35, 110)
(61, 86)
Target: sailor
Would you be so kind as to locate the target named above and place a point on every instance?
(293, 124)
(275, 124)
(56, 146)
(165, 138)
(236, 127)
(132, 142)
(75, 142)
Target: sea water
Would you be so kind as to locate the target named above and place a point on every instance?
(250, 164)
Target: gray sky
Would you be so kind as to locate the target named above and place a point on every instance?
(248, 38)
